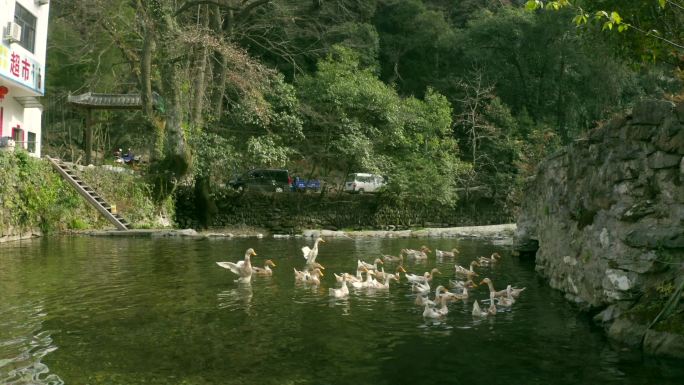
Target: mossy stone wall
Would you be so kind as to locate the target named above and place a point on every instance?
(289, 213)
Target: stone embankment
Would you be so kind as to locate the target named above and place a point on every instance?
(607, 214)
(502, 234)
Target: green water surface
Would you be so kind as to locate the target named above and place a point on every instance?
(79, 310)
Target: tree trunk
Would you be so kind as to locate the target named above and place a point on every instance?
(88, 136)
(146, 70)
(200, 80)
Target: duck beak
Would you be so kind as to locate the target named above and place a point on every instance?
(254, 253)
(481, 282)
(322, 240)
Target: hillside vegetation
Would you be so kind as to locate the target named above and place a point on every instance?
(439, 95)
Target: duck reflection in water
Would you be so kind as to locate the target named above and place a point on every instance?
(236, 298)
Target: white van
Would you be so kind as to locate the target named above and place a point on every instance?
(363, 183)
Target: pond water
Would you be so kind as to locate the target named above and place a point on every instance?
(78, 310)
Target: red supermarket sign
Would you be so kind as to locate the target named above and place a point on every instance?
(21, 68)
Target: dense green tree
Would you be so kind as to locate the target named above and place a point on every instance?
(356, 121)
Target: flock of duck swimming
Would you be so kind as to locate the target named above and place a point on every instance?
(376, 278)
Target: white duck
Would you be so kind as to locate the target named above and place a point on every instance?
(342, 292)
(242, 268)
(266, 270)
(369, 282)
(301, 276)
(417, 254)
(426, 277)
(458, 284)
(392, 258)
(446, 254)
(463, 295)
(508, 300)
(500, 293)
(430, 312)
(314, 277)
(484, 261)
(310, 254)
(421, 288)
(515, 292)
(374, 266)
(460, 270)
(443, 310)
(477, 312)
(422, 299)
(380, 275)
(386, 284)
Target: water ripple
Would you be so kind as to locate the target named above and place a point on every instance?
(23, 345)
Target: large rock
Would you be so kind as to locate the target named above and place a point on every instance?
(660, 159)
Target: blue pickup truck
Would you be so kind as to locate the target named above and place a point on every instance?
(303, 185)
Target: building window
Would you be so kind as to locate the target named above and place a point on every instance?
(28, 27)
(31, 143)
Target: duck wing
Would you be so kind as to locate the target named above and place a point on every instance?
(234, 267)
(306, 250)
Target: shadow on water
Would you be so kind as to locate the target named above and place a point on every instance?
(159, 311)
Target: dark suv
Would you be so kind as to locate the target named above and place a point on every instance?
(271, 180)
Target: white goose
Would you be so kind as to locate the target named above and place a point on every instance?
(484, 261)
(342, 292)
(489, 283)
(392, 258)
(386, 284)
(374, 266)
(417, 254)
(310, 254)
(241, 268)
(426, 277)
(369, 282)
(380, 275)
(422, 299)
(314, 277)
(463, 295)
(431, 312)
(446, 254)
(266, 270)
(300, 275)
(508, 300)
(477, 312)
(460, 270)
(421, 288)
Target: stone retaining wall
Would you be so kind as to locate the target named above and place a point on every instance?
(290, 213)
(608, 215)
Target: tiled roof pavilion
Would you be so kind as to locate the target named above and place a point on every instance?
(109, 101)
(91, 101)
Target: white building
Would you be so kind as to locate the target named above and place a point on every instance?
(22, 70)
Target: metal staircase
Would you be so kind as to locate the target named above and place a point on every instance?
(89, 194)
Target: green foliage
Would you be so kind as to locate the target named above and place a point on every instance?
(214, 156)
(351, 85)
(358, 121)
(32, 195)
(130, 193)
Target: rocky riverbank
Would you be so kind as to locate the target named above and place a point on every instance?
(607, 215)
